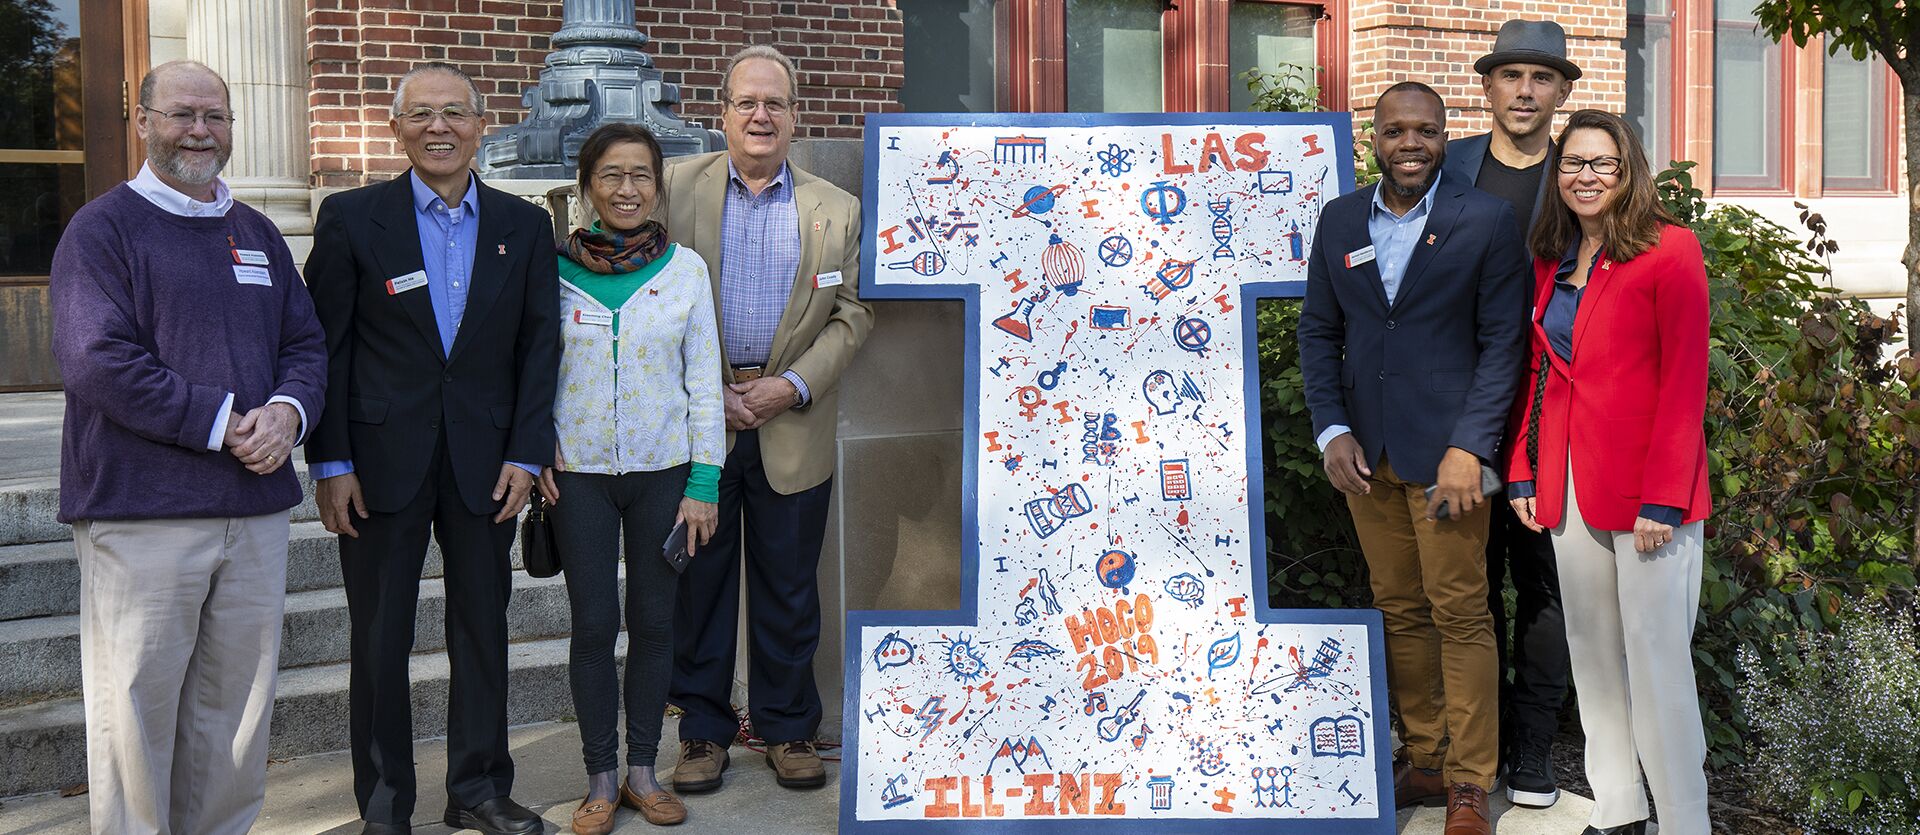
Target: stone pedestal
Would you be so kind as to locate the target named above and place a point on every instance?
(258, 46)
(596, 75)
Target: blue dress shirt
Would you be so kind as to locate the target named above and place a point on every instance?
(448, 235)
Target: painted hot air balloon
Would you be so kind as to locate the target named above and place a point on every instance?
(1063, 265)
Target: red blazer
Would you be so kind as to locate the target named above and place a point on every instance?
(1633, 415)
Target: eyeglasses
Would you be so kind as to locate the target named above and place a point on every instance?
(185, 119)
(455, 114)
(775, 107)
(1604, 166)
(613, 180)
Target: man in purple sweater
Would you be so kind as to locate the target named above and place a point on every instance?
(192, 360)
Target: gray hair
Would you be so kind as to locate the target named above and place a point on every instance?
(152, 79)
(762, 52)
(473, 90)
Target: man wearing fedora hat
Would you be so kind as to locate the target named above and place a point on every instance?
(1526, 78)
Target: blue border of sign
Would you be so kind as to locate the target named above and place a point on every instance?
(968, 614)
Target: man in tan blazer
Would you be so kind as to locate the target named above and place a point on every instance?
(783, 248)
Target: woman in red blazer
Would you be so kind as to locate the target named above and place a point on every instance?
(1608, 450)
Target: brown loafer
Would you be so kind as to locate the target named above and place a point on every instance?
(594, 817)
(796, 765)
(659, 808)
(1467, 812)
(701, 763)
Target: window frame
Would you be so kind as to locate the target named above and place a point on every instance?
(1788, 132)
(1679, 32)
(1889, 137)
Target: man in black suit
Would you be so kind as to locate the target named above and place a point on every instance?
(440, 299)
(1410, 344)
(1526, 78)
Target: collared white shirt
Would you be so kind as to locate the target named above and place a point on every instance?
(149, 185)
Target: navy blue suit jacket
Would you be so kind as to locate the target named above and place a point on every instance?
(1466, 154)
(1437, 368)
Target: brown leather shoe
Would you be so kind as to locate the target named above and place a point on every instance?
(594, 817)
(1467, 812)
(659, 808)
(796, 765)
(701, 763)
(1417, 786)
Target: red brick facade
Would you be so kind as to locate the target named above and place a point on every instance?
(848, 55)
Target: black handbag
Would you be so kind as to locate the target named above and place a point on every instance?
(537, 549)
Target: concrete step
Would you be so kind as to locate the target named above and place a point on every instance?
(29, 511)
(40, 657)
(43, 578)
(43, 746)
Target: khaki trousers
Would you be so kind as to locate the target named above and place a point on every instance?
(1630, 636)
(1429, 582)
(179, 645)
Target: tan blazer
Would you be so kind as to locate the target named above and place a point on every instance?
(821, 328)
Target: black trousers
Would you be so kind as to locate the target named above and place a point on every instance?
(1529, 702)
(782, 535)
(588, 523)
(381, 570)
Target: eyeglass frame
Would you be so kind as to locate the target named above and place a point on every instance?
(635, 176)
(1594, 163)
(775, 107)
(186, 119)
(423, 115)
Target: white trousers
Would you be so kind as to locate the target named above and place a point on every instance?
(179, 646)
(1630, 636)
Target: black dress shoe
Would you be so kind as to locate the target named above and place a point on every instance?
(372, 828)
(499, 816)
(1635, 828)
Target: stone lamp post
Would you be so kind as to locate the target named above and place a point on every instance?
(596, 74)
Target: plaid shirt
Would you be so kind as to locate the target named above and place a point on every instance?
(760, 236)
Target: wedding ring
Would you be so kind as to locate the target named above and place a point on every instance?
(269, 457)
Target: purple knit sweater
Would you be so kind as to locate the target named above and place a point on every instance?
(153, 329)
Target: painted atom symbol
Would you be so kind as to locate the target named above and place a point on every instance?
(1115, 161)
(1116, 251)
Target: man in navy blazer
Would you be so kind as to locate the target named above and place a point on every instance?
(1410, 349)
(1526, 78)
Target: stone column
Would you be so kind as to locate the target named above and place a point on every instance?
(259, 47)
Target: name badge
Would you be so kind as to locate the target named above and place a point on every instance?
(592, 317)
(1359, 256)
(410, 281)
(250, 256)
(252, 275)
(831, 279)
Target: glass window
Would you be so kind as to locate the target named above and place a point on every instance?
(42, 171)
(1747, 114)
(1649, 47)
(1113, 56)
(1267, 35)
(949, 56)
(1854, 135)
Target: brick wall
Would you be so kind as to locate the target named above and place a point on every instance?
(1397, 41)
(848, 55)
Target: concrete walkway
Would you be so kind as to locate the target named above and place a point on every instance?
(310, 795)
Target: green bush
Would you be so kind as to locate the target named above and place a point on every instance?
(1837, 715)
(1813, 443)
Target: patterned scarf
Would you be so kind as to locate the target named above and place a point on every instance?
(612, 253)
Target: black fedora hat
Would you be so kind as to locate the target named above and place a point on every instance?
(1529, 42)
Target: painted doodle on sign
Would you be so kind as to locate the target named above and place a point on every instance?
(1114, 662)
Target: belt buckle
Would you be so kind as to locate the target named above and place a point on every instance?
(748, 373)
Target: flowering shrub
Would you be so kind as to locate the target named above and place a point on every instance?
(1837, 716)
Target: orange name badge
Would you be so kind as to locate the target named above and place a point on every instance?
(1359, 256)
(410, 281)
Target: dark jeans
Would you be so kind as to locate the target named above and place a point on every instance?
(1531, 701)
(782, 534)
(594, 510)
